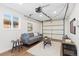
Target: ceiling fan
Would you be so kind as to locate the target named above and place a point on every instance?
(39, 10)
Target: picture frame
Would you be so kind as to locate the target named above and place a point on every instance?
(15, 22)
(29, 27)
(72, 27)
(7, 21)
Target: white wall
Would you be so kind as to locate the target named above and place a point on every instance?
(7, 35)
(74, 14)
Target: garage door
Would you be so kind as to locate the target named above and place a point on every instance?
(53, 29)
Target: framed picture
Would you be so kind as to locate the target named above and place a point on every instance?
(7, 21)
(15, 21)
(29, 27)
(72, 27)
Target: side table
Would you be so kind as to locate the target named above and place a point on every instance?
(69, 49)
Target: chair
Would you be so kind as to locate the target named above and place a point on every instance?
(46, 41)
(14, 46)
(17, 45)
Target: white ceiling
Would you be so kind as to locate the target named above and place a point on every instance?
(54, 10)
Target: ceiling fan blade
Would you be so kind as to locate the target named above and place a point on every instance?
(45, 6)
(38, 10)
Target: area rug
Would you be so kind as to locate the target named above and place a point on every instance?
(39, 50)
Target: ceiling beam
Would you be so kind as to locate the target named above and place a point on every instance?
(46, 15)
(53, 20)
(55, 15)
(32, 18)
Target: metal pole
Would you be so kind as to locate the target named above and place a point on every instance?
(46, 15)
(42, 28)
(32, 18)
(65, 18)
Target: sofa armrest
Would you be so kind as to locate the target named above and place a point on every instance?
(25, 37)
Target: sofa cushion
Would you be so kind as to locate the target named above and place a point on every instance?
(30, 34)
(30, 38)
(33, 38)
(25, 35)
(35, 34)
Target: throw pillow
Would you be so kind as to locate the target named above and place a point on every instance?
(35, 34)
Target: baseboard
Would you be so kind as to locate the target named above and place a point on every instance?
(5, 50)
(58, 40)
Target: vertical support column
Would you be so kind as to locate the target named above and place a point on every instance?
(51, 30)
(63, 27)
(42, 28)
(65, 18)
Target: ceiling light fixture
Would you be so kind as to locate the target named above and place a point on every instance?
(21, 3)
(54, 12)
(40, 15)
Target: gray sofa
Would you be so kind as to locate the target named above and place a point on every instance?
(30, 38)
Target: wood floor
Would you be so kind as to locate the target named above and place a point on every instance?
(22, 52)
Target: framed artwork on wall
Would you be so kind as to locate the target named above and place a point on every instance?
(15, 21)
(29, 27)
(10, 22)
(7, 21)
(72, 26)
